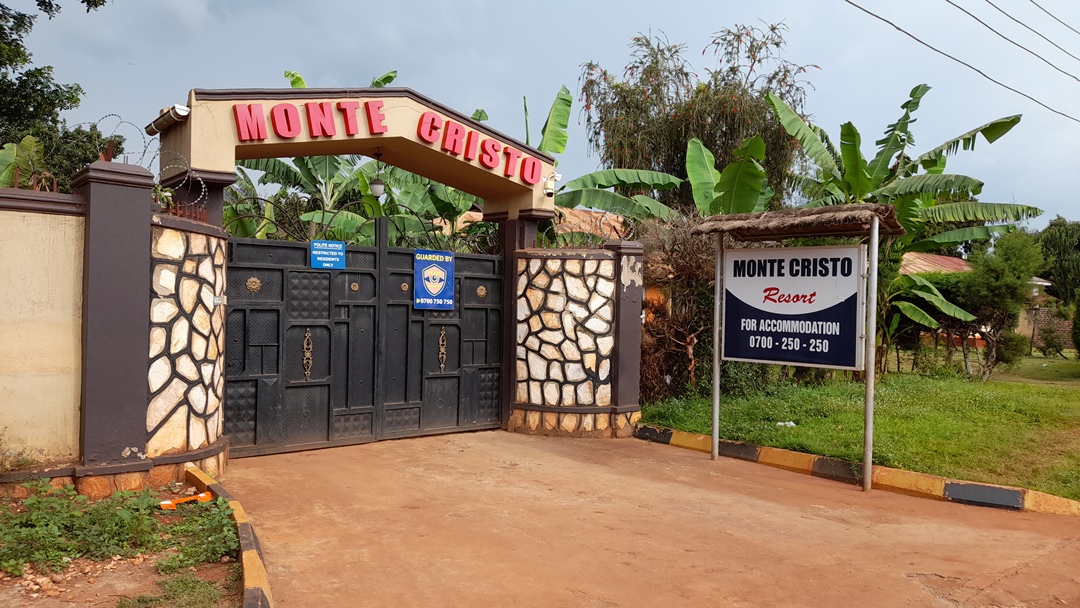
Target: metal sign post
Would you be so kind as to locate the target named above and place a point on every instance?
(870, 367)
(718, 294)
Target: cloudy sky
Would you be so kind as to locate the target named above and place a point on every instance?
(135, 56)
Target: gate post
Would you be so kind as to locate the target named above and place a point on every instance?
(116, 284)
(626, 359)
(514, 235)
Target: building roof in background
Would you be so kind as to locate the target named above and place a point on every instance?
(605, 225)
(919, 263)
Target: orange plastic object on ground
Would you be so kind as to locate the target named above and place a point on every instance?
(170, 505)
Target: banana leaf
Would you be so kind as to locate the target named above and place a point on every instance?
(916, 314)
(277, 171)
(960, 235)
(604, 200)
(345, 221)
(7, 166)
(936, 185)
(855, 167)
(296, 81)
(944, 305)
(743, 185)
(967, 211)
(553, 135)
(702, 174)
(897, 137)
(991, 131)
(811, 143)
(624, 178)
(385, 79)
(656, 208)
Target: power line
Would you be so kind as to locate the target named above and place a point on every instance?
(963, 63)
(1011, 41)
(1032, 30)
(1053, 17)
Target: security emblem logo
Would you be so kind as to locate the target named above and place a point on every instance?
(434, 279)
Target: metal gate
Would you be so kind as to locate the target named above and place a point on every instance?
(319, 358)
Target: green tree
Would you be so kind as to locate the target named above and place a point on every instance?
(998, 288)
(1060, 241)
(31, 100)
(644, 119)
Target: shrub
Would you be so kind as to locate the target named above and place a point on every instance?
(1012, 349)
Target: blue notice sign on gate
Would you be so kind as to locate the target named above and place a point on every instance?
(433, 280)
(327, 255)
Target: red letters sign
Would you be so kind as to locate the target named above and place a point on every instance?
(322, 120)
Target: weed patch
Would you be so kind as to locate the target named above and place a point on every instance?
(180, 591)
(56, 525)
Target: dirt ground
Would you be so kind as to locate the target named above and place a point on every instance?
(103, 584)
(500, 519)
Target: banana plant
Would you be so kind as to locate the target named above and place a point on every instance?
(742, 186)
(912, 184)
(28, 156)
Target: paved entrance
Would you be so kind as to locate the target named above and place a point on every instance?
(501, 519)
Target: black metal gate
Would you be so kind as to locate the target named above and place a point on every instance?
(319, 358)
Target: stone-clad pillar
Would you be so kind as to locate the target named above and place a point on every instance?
(626, 377)
(514, 235)
(116, 281)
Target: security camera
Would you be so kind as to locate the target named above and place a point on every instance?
(549, 184)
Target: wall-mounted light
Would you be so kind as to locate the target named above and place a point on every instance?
(168, 118)
(377, 186)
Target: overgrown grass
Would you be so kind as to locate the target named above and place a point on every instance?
(1001, 432)
(55, 525)
(180, 591)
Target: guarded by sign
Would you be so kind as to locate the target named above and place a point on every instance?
(795, 305)
(327, 255)
(433, 280)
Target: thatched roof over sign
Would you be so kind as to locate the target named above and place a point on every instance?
(833, 220)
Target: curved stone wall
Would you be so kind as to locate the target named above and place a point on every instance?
(185, 377)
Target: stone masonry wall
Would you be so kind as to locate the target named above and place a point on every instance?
(187, 342)
(565, 344)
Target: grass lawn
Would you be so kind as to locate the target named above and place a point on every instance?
(1022, 429)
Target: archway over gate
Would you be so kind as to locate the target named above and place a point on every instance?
(317, 357)
(413, 132)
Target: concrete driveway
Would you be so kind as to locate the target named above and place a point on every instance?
(500, 519)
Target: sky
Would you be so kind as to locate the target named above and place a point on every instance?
(134, 57)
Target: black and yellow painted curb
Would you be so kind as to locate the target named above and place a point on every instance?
(884, 478)
(256, 583)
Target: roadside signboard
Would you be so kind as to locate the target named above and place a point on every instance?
(795, 306)
(433, 280)
(327, 255)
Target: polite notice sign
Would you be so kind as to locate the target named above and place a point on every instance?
(433, 280)
(327, 254)
(796, 305)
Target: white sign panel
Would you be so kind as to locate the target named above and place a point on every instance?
(795, 306)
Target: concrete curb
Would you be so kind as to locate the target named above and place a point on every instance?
(884, 478)
(256, 583)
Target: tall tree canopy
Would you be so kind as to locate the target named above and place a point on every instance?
(1060, 242)
(31, 100)
(645, 119)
